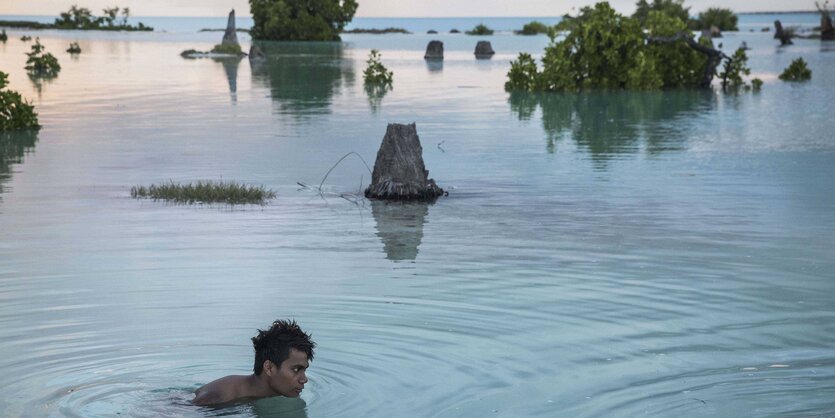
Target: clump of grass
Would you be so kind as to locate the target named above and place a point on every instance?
(480, 29)
(230, 49)
(25, 38)
(74, 48)
(205, 192)
(796, 71)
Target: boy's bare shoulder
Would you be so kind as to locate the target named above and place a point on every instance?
(223, 390)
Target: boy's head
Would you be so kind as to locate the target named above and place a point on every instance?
(275, 343)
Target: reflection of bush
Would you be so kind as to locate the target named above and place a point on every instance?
(606, 124)
(13, 146)
(303, 76)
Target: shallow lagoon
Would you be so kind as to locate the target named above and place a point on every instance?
(606, 254)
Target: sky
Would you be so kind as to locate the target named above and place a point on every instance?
(386, 8)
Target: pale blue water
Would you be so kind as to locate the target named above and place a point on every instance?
(608, 254)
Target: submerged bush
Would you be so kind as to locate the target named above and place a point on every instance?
(376, 73)
(25, 38)
(205, 192)
(733, 71)
(300, 20)
(672, 8)
(40, 63)
(74, 48)
(480, 29)
(15, 112)
(724, 19)
(533, 28)
(796, 71)
(82, 18)
(3, 36)
(230, 49)
(605, 50)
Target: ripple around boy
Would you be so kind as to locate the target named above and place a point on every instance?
(282, 355)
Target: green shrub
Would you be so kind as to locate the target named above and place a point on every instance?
(205, 192)
(605, 50)
(25, 38)
(733, 70)
(15, 112)
(376, 73)
(40, 63)
(757, 84)
(82, 18)
(796, 71)
(231, 49)
(74, 48)
(480, 29)
(724, 19)
(533, 28)
(3, 36)
(672, 8)
(300, 20)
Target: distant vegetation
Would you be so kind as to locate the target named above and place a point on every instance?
(15, 112)
(205, 192)
(480, 29)
(74, 48)
(796, 71)
(25, 38)
(300, 20)
(41, 63)
(724, 19)
(533, 28)
(81, 18)
(672, 8)
(377, 31)
(605, 50)
(3, 36)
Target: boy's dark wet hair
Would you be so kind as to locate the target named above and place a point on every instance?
(275, 343)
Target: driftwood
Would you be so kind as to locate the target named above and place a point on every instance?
(230, 37)
(399, 172)
(785, 36)
(714, 56)
(483, 50)
(434, 51)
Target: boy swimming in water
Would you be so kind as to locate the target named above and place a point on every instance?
(282, 355)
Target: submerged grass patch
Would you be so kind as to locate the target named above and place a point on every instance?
(205, 191)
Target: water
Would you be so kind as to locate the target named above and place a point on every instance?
(622, 254)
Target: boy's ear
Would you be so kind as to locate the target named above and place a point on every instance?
(269, 367)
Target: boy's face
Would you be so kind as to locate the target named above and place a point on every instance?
(289, 378)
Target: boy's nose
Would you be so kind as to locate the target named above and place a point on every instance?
(303, 379)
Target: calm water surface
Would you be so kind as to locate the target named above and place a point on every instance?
(655, 254)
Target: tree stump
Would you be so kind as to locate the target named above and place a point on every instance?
(827, 32)
(784, 36)
(434, 50)
(230, 37)
(399, 173)
(483, 50)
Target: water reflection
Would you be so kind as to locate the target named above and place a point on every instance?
(230, 67)
(13, 146)
(303, 76)
(376, 93)
(434, 66)
(607, 124)
(400, 227)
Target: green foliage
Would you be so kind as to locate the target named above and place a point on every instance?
(796, 71)
(376, 72)
(533, 28)
(82, 18)
(379, 31)
(25, 38)
(724, 19)
(523, 75)
(74, 48)
(40, 63)
(300, 20)
(480, 29)
(15, 112)
(205, 192)
(230, 49)
(733, 70)
(671, 8)
(3, 36)
(677, 65)
(756, 84)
